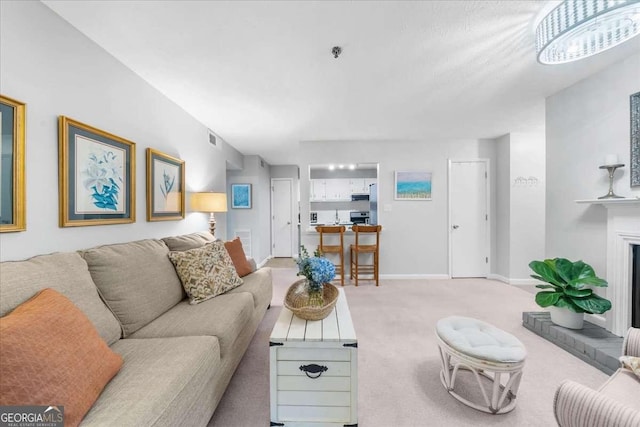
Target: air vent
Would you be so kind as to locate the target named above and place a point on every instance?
(245, 239)
(213, 140)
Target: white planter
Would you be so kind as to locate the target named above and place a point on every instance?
(566, 318)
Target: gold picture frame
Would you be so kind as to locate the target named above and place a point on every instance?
(97, 176)
(13, 209)
(165, 187)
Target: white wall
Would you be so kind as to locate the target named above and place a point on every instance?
(520, 204)
(527, 203)
(585, 122)
(503, 207)
(257, 219)
(58, 71)
(414, 238)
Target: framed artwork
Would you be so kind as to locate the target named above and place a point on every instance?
(165, 187)
(12, 166)
(635, 139)
(413, 185)
(96, 176)
(241, 196)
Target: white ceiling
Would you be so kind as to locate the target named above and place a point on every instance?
(260, 74)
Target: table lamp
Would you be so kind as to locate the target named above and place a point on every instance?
(211, 203)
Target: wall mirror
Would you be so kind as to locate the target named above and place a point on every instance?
(343, 193)
(12, 186)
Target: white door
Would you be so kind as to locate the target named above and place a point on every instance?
(281, 217)
(468, 218)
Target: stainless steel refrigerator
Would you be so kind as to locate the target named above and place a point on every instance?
(373, 204)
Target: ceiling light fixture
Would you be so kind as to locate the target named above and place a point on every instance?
(576, 29)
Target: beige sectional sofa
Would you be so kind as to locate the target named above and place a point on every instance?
(615, 404)
(178, 358)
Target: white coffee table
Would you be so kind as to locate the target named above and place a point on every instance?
(314, 369)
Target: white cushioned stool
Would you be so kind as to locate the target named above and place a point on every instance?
(485, 350)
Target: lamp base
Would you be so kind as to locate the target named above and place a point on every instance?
(212, 225)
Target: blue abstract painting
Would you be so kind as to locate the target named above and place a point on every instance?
(413, 185)
(241, 196)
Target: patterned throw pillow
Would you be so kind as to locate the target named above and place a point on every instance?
(205, 272)
(632, 363)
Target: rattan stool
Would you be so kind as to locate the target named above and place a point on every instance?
(486, 351)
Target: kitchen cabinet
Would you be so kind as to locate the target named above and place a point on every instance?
(337, 189)
(357, 186)
(317, 190)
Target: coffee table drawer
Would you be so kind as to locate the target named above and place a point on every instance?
(308, 368)
(314, 398)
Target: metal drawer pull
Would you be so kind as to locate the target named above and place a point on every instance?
(314, 369)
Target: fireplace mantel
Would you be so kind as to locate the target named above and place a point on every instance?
(627, 201)
(623, 231)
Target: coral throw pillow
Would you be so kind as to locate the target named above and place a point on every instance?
(205, 272)
(51, 354)
(238, 257)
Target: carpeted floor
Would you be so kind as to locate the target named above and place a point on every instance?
(398, 361)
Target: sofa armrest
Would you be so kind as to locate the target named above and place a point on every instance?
(252, 263)
(631, 345)
(575, 405)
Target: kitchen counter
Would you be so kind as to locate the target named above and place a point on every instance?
(312, 228)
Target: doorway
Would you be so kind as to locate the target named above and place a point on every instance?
(281, 217)
(469, 244)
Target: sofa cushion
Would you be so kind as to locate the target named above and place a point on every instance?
(136, 279)
(68, 274)
(622, 387)
(238, 257)
(158, 381)
(52, 354)
(224, 317)
(258, 284)
(205, 272)
(188, 241)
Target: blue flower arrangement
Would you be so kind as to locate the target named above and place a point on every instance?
(317, 269)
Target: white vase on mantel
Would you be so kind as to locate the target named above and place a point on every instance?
(566, 318)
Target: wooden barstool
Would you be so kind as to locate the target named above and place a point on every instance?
(359, 248)
(333, 249)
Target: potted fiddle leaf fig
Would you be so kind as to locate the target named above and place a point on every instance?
(568, 293)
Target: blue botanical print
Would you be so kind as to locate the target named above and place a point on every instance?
(167, 185)
(103, 176)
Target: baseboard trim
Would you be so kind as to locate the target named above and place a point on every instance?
(498, 278)
(264, 261)
(515, 282)
(523, 282)
(414, 276)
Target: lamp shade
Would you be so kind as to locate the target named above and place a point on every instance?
(209, 202)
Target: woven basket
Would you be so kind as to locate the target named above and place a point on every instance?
(297, 300)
